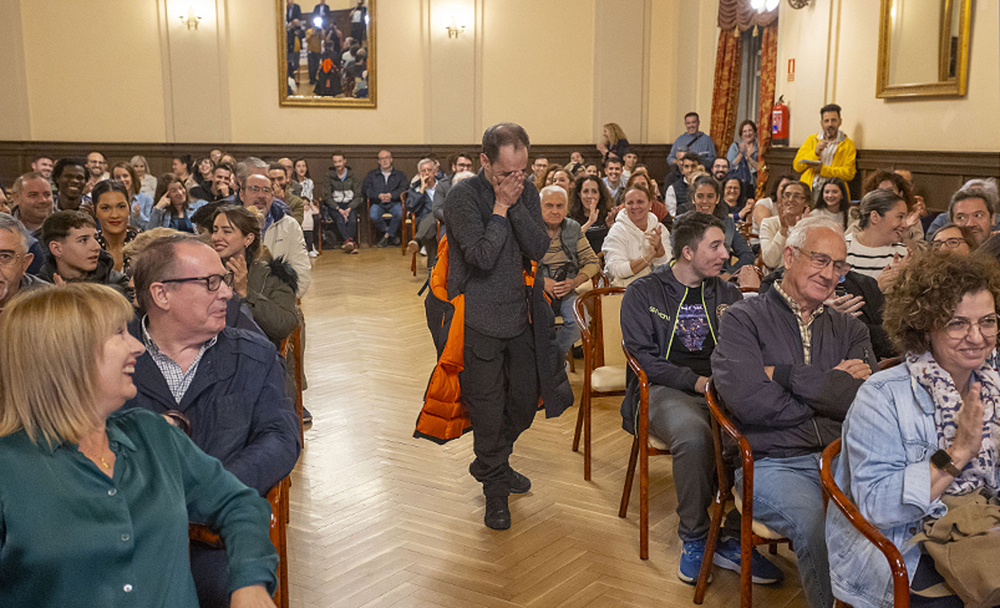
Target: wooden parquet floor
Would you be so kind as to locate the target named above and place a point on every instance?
(379, 518)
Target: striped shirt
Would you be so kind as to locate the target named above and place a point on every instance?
(805, 327)
(871, 261)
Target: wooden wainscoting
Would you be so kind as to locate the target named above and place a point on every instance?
(936, 175)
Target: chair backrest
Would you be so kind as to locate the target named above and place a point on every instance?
(900, 577)
(611, 309)
(594, 332)
(721, 423)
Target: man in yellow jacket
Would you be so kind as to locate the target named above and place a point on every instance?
(829, 153)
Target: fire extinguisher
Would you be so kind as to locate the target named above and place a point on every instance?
(779, 123)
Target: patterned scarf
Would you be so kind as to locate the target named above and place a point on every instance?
(982, 470)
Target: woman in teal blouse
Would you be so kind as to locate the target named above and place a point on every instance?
(95, 505)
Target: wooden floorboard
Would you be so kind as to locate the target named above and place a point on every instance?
(380, 519)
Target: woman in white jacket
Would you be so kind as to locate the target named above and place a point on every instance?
(636, 243)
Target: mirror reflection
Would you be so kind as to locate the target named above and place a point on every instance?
(924, 47)
(327, 51)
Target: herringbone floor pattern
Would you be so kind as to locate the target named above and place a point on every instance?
(379, 518)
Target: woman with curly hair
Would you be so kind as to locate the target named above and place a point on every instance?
(923, 433)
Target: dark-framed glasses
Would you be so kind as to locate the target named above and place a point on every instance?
(819, 261)
(212, 281)
(951, 243)
(256, 189)
(959, 328)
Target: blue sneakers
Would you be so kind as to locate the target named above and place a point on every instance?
(692, 554)
(727, 555)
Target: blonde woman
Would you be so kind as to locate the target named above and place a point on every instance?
(613, 141)
(95, 503)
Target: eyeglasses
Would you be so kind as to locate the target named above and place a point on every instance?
(212, 281)
(258, 189)
(798, 196)
(819, 261)
(7, 258)
(951, 243)
(959, 328)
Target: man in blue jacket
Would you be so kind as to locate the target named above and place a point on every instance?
(228, 382)
(670, 323)
(384, 187)
(788, 367)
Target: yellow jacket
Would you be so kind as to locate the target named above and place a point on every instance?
(843, 166)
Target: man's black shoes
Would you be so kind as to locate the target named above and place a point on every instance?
(497, 513)
(517, 483)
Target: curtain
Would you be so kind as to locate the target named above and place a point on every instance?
(768, 74)
(726, 92)
(738, 14)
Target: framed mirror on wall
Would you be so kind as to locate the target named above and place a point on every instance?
(326, 53)
(923, 48)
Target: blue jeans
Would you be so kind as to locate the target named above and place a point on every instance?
(788, 498)
(569, 333)
(346, 227)
(375, 213)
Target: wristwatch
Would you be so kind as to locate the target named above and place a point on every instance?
(942, 460)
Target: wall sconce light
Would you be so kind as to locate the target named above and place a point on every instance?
(455, 29)
(191, 19)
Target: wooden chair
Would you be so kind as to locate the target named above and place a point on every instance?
(388, 218)
(277, 497)
(603, 363)
(644, 445)
(752, 533)
(293, 345)
(900, 577)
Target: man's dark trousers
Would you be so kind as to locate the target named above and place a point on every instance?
(500, 393)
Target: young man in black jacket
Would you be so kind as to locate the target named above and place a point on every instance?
(670, 323)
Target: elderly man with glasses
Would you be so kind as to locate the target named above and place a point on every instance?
(787, 367)
(228, 382)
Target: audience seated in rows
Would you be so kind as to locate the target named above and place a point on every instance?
(942, 314)
(73, 253)
(115, 490)
(384, 187)
(426, 202)
(792, 205)
(229, 383)
(788, 368)
(636, 244)
(706, 197)
(568, 263)
(281, 233)
(266, 284)
(342, 198)
(692, 140)
(670, 324)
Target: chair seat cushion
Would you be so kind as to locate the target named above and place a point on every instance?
(608, 378)
(656, 443)
(758, 528)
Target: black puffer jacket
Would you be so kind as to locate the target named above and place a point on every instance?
(104, 274)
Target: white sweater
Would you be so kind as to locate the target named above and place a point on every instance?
(626, 242)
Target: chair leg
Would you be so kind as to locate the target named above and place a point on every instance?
(746, 575)
(644, 500)
(586, 440)
(579, 421)
(718, 512)
(413, 264)
(629, 475)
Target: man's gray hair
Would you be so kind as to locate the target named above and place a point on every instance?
(245, 168)
(423, 161)
(799, 233)
(10, 223)
(554, 189)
